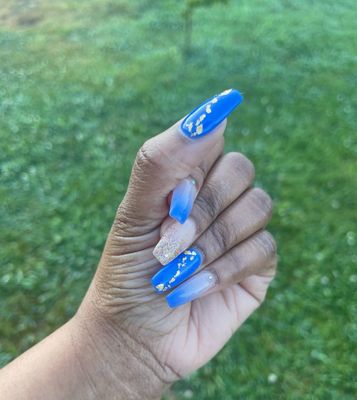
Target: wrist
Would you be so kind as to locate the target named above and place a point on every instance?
(113, 362)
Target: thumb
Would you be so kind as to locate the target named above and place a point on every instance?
(164, 160)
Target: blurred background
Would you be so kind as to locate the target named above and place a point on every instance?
(84, 83)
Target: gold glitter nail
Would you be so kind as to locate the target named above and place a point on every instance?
(175, 240)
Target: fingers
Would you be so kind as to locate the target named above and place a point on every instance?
(250, 213)
(252, 262)
(222, 312)
(166, 159)
(186, 191)
(247, 215)
(254, 256)
(228, 179)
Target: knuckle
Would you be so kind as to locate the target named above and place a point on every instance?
(262, 201)
(150, 156)
(237, 262)
(221, 235)
(198, 174)
(274, 268)
(268, 244)
(208, 202)
(244, 167)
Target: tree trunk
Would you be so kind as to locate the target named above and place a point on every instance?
(188, 33)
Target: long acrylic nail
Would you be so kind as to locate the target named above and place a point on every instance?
(192, 289)
(211, 113)
(175, 240)
(182, 200)
(177, 270)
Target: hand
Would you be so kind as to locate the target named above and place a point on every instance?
(226, 227)
(129, 341)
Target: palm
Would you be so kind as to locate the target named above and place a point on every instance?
(187, 337)
(206, 325)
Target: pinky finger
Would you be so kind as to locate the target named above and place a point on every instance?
(248, 296)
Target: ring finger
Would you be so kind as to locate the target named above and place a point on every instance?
(243, 218)
(254, 258)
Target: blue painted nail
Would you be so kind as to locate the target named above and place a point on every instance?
(191, 289)
(182, 200)
(209, 114)
(177, 270)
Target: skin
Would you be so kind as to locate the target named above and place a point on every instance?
(125, 342)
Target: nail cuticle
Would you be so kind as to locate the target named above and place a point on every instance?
(202, 255)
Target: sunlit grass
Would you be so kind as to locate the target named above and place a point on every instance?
(82, 84)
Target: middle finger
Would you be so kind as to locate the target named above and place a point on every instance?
(243, 218)
(230, 177)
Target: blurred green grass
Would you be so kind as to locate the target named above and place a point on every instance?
(83, 84)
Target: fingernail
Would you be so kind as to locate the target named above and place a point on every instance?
(211, 113)
(192, 289)
(182, 200)
(177, 270)
(174, 241)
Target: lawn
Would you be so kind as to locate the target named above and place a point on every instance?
(83, 84)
